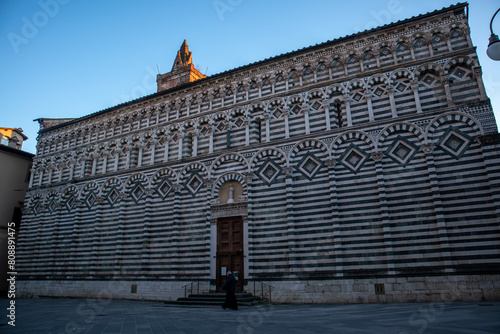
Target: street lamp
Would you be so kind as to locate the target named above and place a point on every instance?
(493, 50)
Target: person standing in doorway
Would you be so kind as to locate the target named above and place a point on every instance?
(230, 287)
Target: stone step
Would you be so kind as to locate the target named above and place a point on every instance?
(216, 299)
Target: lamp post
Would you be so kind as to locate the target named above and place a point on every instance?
(493, 50)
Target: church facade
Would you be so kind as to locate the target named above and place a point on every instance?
(362, 169)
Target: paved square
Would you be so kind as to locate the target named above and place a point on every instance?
(64, 315)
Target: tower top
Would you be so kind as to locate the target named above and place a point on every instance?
(182, 72)
(183, 58)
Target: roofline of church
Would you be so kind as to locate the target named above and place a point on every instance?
(459, 5)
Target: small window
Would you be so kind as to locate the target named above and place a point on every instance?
(339, 114)
(379, 289)
(259, 130)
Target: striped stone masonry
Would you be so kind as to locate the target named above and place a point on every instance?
(364, 169)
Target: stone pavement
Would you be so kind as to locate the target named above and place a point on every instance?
(64, 315)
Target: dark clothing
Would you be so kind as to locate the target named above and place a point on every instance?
(230, 301)
(230, 287)
(230, 284)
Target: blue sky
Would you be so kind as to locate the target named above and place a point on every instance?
(71, 58)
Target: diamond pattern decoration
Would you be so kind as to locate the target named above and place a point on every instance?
(204, 130)
(269, 172)
(419, 43)
(367, 56)
(455, 34)
(137, 193)
(385, 52)
(455, 143)
(337, 64)
(459, 73)
(401, 87)
(352, 60)
(164, 188)
(194, 184)
(429, 80)
(379, 92)
(36, 208)
(90, 200)
(277, 113)
(402, 47)
(357, 97)
(353, 158)
(221, 126)
(296, 109)
(437, 39)
(239, 122)
(52, 207)
(174, 138)
(70, 203)
(316, 105)
(112, 196)
(402, 151)
(309, 166)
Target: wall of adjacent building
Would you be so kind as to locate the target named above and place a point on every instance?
(14, 176)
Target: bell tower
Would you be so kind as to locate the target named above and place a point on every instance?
(182, 72)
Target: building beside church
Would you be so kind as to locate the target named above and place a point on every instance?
(362, 169)
(15, 165)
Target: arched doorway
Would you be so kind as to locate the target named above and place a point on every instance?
(229, 234)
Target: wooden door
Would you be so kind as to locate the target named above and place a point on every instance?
(230, 250)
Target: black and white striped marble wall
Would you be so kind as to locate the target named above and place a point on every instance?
(374, 156)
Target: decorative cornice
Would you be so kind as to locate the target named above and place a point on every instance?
(343, 44)
(229, 210)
